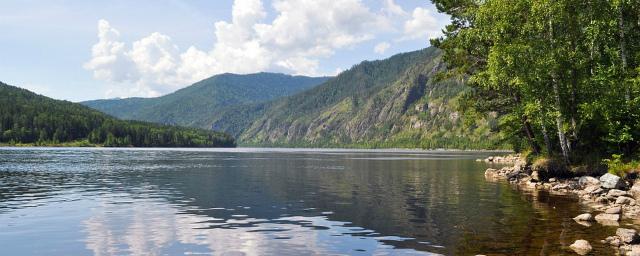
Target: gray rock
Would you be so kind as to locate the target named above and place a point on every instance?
(585, 181)
(584, 217)
(613, 241)
(635, 190)
(581, 247)
(535, 176)
(616, 193)
(625, 200)
(553, 180)
(630, 250)
(593, 189)
(611, 181)
(614, 210)
(628, 236)
(602, 200)
(607, 217)
(560, 186)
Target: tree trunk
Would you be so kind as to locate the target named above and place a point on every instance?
(559, 120)
(573, 104)
(528, 130)
(531, 137)
(547, 140)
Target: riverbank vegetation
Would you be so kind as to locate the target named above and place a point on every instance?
(30, 119)
(563, 75)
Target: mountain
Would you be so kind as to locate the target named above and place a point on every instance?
(197, 105)
(29, 118)
(395, 102)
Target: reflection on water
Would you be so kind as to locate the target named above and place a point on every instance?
(273, 202)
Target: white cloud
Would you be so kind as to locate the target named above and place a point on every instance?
(381, 48)
(392, 8)
(422, 25)
(109, 60)
(301, 34)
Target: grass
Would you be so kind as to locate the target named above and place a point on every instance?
(617, 166)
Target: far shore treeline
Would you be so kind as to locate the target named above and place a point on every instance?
(562, 74)
(27, 118)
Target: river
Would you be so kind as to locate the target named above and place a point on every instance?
(248, 201)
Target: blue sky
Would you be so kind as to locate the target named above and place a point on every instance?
(80, 50)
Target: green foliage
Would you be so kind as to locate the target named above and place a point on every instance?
(205, 102)
(28, 118)
(391, 103)
(549, 167)
(616, 165)
(562, 74)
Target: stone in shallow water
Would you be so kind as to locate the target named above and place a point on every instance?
(611, 181)
(593, 189)
(584, 217)
(625, 200)
(614, 210)
(581, 247)
(627, 235)
(586, 181)
(606, 217)
(613, 241)
(535, 176)
(616, 193)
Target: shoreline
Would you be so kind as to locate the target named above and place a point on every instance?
(609, 199)
(350, 149)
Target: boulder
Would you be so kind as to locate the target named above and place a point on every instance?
(581, 247)
(630, 250)
(584, 217)
(560, 186)
(586, 181)
(611, 181)
(613, 241)
(535, 176)
(553, 180)
(602, 200)
(625, 200)
(627, 235)
(607, 217)
(593, 189)
(614, 210)
(635, 189)
(616, 193)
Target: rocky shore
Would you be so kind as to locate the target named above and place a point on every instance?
(609, 197)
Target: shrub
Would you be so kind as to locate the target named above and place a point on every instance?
(550, 167)
(617, 166)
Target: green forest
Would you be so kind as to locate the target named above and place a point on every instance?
(197, 105)
(562, 74)
(30, 119)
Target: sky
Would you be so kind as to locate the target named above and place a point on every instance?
(82, 50)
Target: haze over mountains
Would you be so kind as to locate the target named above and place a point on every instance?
(396, 102)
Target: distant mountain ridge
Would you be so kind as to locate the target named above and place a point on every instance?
(396, 102)
(31, 119)
(198, 104)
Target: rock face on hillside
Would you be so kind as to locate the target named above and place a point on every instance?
(395, 102)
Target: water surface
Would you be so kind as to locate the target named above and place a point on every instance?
(273, 202)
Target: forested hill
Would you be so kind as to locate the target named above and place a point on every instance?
(395, 102)
(29, 118)
(200, 103)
